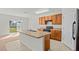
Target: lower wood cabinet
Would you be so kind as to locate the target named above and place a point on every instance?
(56, 34)
(46, 42)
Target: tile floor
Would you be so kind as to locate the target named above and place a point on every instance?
(15, 45)
(58, 46)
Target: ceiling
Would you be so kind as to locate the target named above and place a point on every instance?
(23, 12)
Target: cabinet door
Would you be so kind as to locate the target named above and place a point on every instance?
(46, 18)
(58, 37)
(53, 33)
(43, 21)
(49, 17)
(53, 19)
(40, 20)
(59, 19)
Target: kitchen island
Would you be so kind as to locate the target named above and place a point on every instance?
(36, 41)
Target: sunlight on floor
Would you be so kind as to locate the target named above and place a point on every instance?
(9, 36)
(16, 46)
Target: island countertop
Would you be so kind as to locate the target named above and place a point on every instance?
(36, 34)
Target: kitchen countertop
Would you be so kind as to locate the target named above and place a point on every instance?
(36, 34)
(59, 29)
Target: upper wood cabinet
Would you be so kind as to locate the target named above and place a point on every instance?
(42, 20)
(56, 19)
(53, 19)
(39, 21)
(59, 19)
(48, 17)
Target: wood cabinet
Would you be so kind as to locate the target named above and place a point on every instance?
(42, 20)
(53, 19)
(59, 19)
(47, 42)
(56, 19)
(48, 17)
(56, 34)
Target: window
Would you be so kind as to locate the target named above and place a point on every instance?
(15, 25)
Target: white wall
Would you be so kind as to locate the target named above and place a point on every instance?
(33, 21)
(4, 26)
(69, 15)
(4, 23)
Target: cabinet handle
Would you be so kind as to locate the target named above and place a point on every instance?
(73, 30)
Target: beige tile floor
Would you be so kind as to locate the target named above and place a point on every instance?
(14, 44)
(58, 46)
(17, 46)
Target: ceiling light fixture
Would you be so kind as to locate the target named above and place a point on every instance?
(42, 11)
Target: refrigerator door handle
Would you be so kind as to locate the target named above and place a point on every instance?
(73, 30)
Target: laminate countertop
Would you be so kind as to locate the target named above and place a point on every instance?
(36, 34)
(59, 29)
